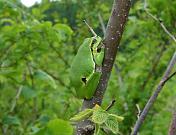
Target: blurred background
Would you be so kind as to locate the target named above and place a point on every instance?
(38, 41)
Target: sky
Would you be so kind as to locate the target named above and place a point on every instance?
(29, 3)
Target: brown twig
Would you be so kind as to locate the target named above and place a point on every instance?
(90, 28)
(159, 21)
(119, 75)
(111, 104)
(112, 39)
(169, 77)
(164, 79)
(115, 65)
(153, 98)
(172, 130)
(102, 23)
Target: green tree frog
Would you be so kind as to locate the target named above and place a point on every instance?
(85, 70)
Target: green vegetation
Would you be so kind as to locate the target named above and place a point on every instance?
(38, 45)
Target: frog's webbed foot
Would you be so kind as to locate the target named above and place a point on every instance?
(98, 69)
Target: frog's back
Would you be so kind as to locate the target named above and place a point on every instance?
(82, 65)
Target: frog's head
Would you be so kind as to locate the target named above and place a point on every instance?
(97, 50)
(96, 40)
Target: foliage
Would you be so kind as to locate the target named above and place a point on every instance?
(56, 127)
(101, 118)
(38, 44)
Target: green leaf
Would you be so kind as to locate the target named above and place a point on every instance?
(46, 77)
(99, 115)
(42, 131)
(28, 92)
(11, 120)
(63, 28)
(82, 115)
(112, 124)
(56, 127)
(118, 118)
(59, 127)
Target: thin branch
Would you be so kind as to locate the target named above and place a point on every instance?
(139, 111)
(153, 98)
(167, 79)
(16, 98)
(110, 105)
(114, 31)
(102, 23)
(119, 75)
(172, 130)
(90, 28)
(159, 21)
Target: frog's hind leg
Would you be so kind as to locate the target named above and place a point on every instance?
(92, 85)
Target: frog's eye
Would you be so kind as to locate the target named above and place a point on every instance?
(98, 50)
(84, 80)
(94, 41)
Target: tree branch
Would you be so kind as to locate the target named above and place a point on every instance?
(114, 30)
(139, 111)
(160, 22)
(16, 98)
(120, 80)
(153, 98)
(172, 130)
(115, 65)
(110, 105)
(102, 24)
